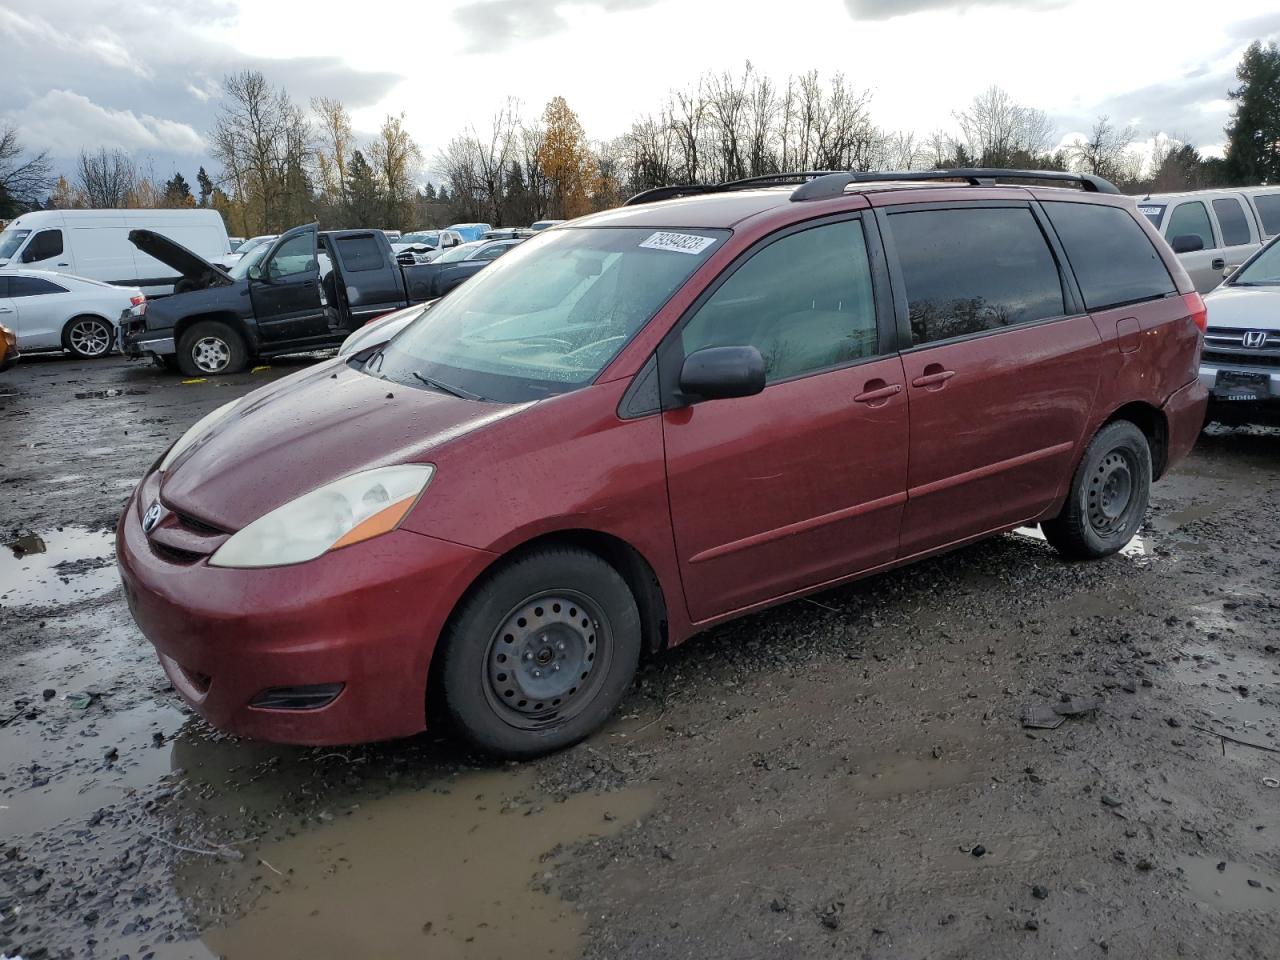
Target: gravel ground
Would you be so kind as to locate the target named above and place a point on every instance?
(841, 776)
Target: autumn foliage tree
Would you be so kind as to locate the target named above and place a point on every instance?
(566, 161)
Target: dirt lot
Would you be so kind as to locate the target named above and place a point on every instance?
(842, 776)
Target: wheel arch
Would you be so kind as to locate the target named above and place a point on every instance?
(1154, 426)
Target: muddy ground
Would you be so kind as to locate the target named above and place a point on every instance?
(844, 776)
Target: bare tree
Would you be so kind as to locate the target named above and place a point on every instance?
(24, 177)
(687, 111)
(396, 159)
(727, 107)
(106, 179)
(1105, 151)
(996, 131)
(537, 186)
(333, 153)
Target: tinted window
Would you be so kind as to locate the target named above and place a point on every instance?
(974, 269)
(45, 244)
(4, 286)
(32, 287)
(360, 253)
(1235, 228)
(296, 255)
(1190, 220)
(804, 302)
(1268, 211)
(492, 252)
(1113, 258)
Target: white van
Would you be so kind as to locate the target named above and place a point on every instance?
(95, 243)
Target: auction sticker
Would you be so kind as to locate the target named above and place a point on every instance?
(679, 242)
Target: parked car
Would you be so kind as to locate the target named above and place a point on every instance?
(381, 329)
(541, 225)
(237, 253)
(1214, 231)
(54, 311)
(235, 243)
(508, 233)
(654, 420)
(470, 231)
(285, 300)
(94, 244)
(8, 348)
(1241, 362)
(424, 247)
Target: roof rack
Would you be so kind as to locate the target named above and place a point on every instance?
(823, 184)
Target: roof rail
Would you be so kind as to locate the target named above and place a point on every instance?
(977, 177)
(694, 189)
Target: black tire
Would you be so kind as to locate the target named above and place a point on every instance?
(540, 653)
(211, 349)
(88, 337)
(1108, 496)
(168, 362)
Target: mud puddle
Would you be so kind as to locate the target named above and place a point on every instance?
(1142, 546)
(458, 870)
(57, 567)
(1236, 686)
(1236, 887)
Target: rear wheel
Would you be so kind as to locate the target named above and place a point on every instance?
(541, 653)
(209, 349)
(1108, 496)
(88, 337)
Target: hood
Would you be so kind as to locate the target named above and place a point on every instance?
(382, 329)
(192, 266)
(320, 425)
(1239, 307)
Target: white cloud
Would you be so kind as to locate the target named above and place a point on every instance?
(64, 122)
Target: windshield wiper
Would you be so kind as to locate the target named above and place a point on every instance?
(446, 388)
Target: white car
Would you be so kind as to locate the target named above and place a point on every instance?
(1241, 360)
(54, 311)
(383, 328)
(235, 256)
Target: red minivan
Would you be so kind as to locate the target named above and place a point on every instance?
(651, 420)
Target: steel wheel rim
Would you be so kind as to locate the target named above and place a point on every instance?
(210, 354)
(546, 660)
(1111, 490)
(90, 338)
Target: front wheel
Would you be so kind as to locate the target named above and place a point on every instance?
(211, 348)
(540, 654)
(88, 337)
(1108, 496)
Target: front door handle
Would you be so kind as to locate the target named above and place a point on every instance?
(1218, 264)
(6, 309)
(934, 377)
(876, 392)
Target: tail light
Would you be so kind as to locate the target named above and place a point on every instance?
(1199, 312)
(139, 300)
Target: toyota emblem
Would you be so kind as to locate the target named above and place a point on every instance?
(151, 517)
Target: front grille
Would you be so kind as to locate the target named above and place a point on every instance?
(175, 555)
(406, 259)
(1254, 358)
(197, 526)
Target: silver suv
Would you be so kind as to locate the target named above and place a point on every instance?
(1241, 360)
(1214, 231)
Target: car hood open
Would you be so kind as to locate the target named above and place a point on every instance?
(190, 265)
(319, 425)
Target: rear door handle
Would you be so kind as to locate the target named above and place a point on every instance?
(933, 378)
(1218, 264)
(878, 393)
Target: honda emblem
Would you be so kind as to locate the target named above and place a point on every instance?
(1255, 339)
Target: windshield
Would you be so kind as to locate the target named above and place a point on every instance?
(420, 238)
(460, 252)
(10, 241)
(1264, 271)
(549, 315)
(240, 269)
(1152, 211)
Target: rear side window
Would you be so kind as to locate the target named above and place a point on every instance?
(1190, 220)
(1113, 259)
(804, 301)
(1269, 211)
(360, 253)
(1235, 228)
(970, 270)
(32, 287)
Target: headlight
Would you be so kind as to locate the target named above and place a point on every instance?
(194, 433)
(336, 515)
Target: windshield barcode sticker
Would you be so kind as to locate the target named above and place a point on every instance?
(679, 242)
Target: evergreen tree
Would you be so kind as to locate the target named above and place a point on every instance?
(177, 192)
(362, 192)
(206, 187)
(1253, 135)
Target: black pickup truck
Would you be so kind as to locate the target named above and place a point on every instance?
(306, 290)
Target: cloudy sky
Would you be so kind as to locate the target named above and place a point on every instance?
(145, 75)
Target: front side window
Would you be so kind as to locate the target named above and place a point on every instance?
(32, 287)
(360, 253)
(297, 255)
(1235, 228)
(1190, 220)
(43, 246)
(1113, 259)
(973, 269)
(547, 317)
(1263, 271)
(805, 302)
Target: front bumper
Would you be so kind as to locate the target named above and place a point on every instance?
(366, 616)
(1210, 377)
(137, 341)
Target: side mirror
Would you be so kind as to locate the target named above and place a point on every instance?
(718, 373)
(255, 272)
(1187, 243)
